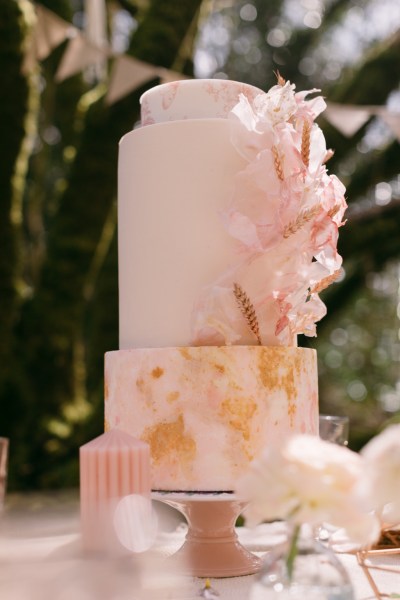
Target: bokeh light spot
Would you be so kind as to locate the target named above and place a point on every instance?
(135, 523)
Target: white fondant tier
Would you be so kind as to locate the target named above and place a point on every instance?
(193, 99)
(174, 179)
(208, 411)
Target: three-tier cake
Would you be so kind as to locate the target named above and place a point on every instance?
(227, 225)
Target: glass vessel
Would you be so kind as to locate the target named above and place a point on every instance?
(334, 429)
(302, 569)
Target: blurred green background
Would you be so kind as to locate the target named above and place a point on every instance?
(58, 229)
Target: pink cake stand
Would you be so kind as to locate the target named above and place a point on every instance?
(211, 548)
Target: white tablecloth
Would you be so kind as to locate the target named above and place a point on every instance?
(41, 559)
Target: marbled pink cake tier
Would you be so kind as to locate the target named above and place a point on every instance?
(208, 411)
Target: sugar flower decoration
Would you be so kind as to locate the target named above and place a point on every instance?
(284, 213)
(380, 485)
(308, 480)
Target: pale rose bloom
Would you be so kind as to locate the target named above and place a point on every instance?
(317, 149)
(287, 141)
(259, 177)
(216, 319)
(329, 258)
(332, 195)
(303, 316)
(245, 113)
(278, 104)
(363, 528)
(247, 135)
(262, 205)
(307, 480)
(339, 195)
(253, 216)
(217, 307)
(309, 109)
(241, 227)
(380, 485)
(282, 301)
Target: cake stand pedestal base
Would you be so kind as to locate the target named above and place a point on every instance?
(212, 548)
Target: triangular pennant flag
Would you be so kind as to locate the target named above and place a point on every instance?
(128, 74)
(347, 119)
(167, 76)
(48, 33)
(79, 54)
(392, 119)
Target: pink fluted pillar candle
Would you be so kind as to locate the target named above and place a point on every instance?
(112, 466)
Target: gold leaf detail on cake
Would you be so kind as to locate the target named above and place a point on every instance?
(277, 163)
(140, 384)
(168, 442)
(247, 309)
(279, 79)
(172, 396)
(302, 218)
(157, 372)
(305, 143)
(184, 351)
(291, 411)
(325, 282)
(277, 376)
(238, 412)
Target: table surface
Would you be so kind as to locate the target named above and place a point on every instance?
(41, 558)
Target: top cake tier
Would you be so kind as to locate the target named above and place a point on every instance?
(193, 99)
(175, 178)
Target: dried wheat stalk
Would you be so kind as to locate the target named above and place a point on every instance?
(332, 212)
(277, 163)
(302, 218)
(279, 79)
(305, 143)
(325, 282)
(247, 309)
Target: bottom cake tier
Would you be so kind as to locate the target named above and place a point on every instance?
(207, 411)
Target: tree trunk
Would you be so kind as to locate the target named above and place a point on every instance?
(59, 316)
(16, 122)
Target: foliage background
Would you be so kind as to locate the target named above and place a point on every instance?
(58, 230)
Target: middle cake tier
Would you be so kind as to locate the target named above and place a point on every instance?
(206, 412)
(174, 180)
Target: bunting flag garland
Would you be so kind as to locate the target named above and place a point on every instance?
(392, 120)
(129, 73)
(49, 32)
(346, 119)
(80, 53)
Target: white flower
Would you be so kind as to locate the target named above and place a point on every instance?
(277, 105)
(307, 480)
(380, 485)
